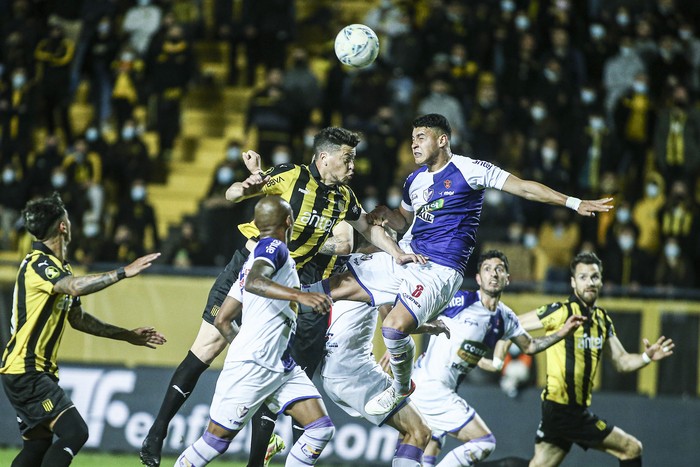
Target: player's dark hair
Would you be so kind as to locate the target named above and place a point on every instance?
(41, 216)
(331, 138)
(493, 254)
(433, 121)
(586, 257)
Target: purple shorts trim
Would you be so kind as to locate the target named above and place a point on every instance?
(281, 411)
(391, 414)
(463, 424)
(409, 309)
(352, 271)
(224, 426)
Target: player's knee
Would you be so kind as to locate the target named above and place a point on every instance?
(322, 429)
(487, 445)
(421, 433)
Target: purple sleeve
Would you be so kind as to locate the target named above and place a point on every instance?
(273, 251)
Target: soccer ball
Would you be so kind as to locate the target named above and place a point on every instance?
(356, 45)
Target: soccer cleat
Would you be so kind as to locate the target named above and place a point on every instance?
(150, 451)
(386, 401)
(275, 445)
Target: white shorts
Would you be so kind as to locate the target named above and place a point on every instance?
(442, 408)
(352, 393)
(243, 387)
(425, 289)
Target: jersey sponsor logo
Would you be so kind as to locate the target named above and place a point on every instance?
(424, 213)
(486, 164)
(457, 301)
(447, 193)
(310, 452)
(317, 220)
(52, 272)
(410, 298)
(447, 184)
(269, 249)
(341, 204)
(588, 342)
(275, 181)
(417, 291)
(43, 263)
(471, 351)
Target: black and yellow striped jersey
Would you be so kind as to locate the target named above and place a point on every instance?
(572, 362)
(317, 209)
(38, 314)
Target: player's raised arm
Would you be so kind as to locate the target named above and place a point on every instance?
(398, 219)
(535, 191)
(532, 345)
(625, 362)
(87, 323)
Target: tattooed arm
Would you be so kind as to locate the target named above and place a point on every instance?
(85, 322)
(84, 285)
(258, 282)
(532, 345)
(341, 243)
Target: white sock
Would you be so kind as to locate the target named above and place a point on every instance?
(402, 349)
(470, 453)
(207, 448)
(308, 448)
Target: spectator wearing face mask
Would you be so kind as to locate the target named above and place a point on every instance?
(127, 71)
(619, 71)
(625, 263)
(42, 164)
(136, 213)
(593, 154)
(674, 268)
(101, 51)
(17, 113)
(679, 219)
(623, 218)
(645, 213)
(597, 50)
(560, 236)
(690, 48)
(677, 138)
(129, 158)
(184, 248)
(13, 196)
(635, 117)
(228, 171)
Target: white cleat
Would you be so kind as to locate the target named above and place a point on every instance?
(386, 401)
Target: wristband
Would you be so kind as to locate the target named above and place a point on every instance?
(573, 203)
(497, 363)
(121, 274)
(646, 358)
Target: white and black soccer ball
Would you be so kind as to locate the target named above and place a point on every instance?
(356, 45)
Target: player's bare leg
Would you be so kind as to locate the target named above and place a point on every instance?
(214, 442)
(208, 344)
(478, 444)
(415, 435)
(396, 331)
(623, 446)
(547, 455)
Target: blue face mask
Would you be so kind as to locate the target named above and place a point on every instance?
(128, 133)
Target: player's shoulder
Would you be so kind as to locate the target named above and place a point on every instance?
(278, 171)
(551, 308)
(461, 300)
(415, 174)
(470, 163)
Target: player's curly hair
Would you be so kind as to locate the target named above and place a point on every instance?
(493, 254)
(331, 138)
(41, 216)
(433, 121)
(586, 257)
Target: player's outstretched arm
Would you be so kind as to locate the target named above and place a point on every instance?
(341, 243)
(396, 219)
(627, 362)
(378, 237)
(229, 310)
(259, 282)
(87, 323)
(84, 285)
(532, 345)
(251, 186)
(535, 191)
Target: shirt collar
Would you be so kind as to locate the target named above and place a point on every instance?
(584, 308)
(317, 176)
(40, 246)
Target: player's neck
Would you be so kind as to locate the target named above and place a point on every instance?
(57, 245)
(490, 302)
(440, 161)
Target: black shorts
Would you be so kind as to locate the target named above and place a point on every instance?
(562, 425)
(36, 397)
(222, 285)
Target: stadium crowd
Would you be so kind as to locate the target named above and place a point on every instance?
(593, 98)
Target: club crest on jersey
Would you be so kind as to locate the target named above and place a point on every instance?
(51, 272)
(447, 183)
(242, 411)
(341, 204)
(428, 193)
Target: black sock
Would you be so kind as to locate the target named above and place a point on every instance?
(297, 430)
(262, 425)
(72, 433)
(185, 379)
(637, 462)
(507, 462)
(32, 452)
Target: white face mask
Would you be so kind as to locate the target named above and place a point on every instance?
(18, 81)
(138, 193)
(508, 5)
(685, 34)
(623, 215)
(493, 197)
(622, 19)
(128, 133)
(91, 134)
(626, 242)
(652, 190)
(91, 229)
(58, 180)
(233, 154)
(549, 155)
(370, 203)
(672, 250)
(280, 157)
(639, 87)
(224, 176)
(597, 123)
(587, 96)
(597, 31)
(538, 113)
(522, 22)
(625, 51)
(309, 141)
(8, 176)
(393, 201)
(530, 241)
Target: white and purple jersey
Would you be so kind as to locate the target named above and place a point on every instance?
(447, 205)
(267, 324)
(473, 329)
